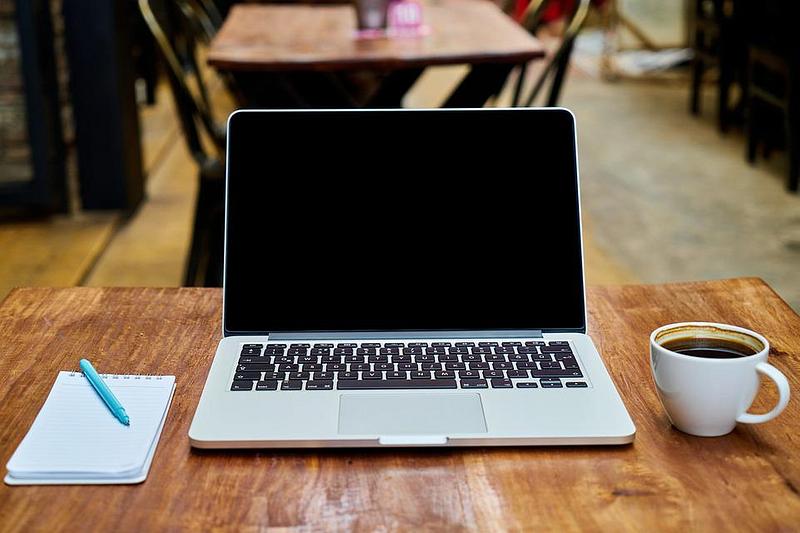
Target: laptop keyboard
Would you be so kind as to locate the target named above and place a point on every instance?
(411, 365)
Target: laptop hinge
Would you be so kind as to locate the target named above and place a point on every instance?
(485, 334)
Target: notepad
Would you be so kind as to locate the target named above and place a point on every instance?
(76, 440)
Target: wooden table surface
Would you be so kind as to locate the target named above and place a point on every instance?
(665, 480)
(302, 38)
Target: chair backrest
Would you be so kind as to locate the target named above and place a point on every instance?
(557, 64)
(177, 27)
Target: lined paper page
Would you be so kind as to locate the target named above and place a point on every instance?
(76, 434)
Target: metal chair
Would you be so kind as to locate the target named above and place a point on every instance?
(556, 68)
(176, 32)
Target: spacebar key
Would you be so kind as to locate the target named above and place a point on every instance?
(349, 384)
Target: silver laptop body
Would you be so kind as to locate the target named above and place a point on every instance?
(337, 219)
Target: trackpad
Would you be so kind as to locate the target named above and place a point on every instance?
(410, 414)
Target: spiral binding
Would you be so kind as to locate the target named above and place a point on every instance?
(122, 376)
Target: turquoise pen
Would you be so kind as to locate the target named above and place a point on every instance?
(104, 392)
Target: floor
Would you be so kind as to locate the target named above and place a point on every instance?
(665, 198)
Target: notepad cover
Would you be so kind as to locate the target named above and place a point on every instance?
(76, 440)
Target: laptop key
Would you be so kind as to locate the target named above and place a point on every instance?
(401, 359)
(474, 384)
(384, 366)
(465, 344)
(503, 366)
(479, 366)
(300, 375)
(493, 374)
(274, 376)
(363, 367)
(323, 376)
(267, 385)
(570, 364)
(577, 384)
(517, 374)
(319, 385)
(347, 345)
(253, 359)
(242, 385)
(396, 375)
(421, 375)
(255, 367)
(444, 374)
(527, 385)
(407, 366)
(397, 384)
(555, 349)
(288, 368)
(292, 384)
(312, 367)
(259, 346)
(372, 375)
(557, 372)
(432, 366)
(502, 384)
(469, 374)
(335, 367)
(242, 376)
(551, 385)
(347, 375)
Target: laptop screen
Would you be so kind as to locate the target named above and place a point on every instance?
(403, 220)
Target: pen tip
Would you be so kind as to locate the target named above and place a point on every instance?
(127, 421)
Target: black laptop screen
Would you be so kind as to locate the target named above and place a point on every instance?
(402, 220)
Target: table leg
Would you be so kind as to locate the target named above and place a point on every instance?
(483, 81)
(393, 87)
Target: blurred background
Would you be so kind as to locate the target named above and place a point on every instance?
(112, 123)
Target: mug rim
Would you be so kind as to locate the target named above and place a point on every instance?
(719, 325)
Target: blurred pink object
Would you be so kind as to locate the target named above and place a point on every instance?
(405, 17)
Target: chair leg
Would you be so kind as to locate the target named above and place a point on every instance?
(793, 149)
(558, 77)
(752, 129)
(697, 81)
(723, 112)
(197, 259)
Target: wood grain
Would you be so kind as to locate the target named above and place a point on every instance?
(303, 37)
(665, 480)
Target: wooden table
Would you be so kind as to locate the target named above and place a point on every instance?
(748, 480)
(261, 45)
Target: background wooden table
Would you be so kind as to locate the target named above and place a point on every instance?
(749, 479)
(258, 40)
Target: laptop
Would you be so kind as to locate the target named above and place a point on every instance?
(405, 278)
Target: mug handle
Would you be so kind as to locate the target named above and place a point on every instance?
(783, 395)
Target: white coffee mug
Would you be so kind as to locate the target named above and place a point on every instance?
(704, 396)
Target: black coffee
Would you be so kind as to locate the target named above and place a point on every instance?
(709, 348)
